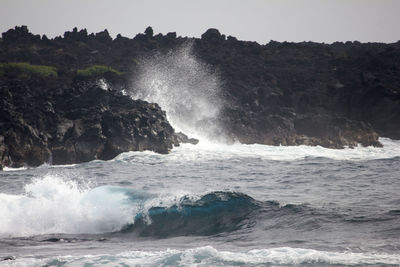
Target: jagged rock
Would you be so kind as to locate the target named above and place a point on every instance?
(171, 35)
(149, 31)
(280, 93)
(103, 36)
(87, 123)
(212, 35)
(183, 138)
(19, 34)
(82, 35)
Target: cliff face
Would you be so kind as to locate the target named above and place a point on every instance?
(279, 93)
(308, 93)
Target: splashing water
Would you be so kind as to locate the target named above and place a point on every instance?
(55, 205)
(107, 209)
(185, 88)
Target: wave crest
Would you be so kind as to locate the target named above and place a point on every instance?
(52, 205)
(213, 213)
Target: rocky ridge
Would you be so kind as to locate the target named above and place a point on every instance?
(76, 124)
(334, 95)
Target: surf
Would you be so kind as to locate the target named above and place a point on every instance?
(208, 151)
(107, 209)
(210, 256)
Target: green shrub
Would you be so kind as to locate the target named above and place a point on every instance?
(97, 70)
(26, 69)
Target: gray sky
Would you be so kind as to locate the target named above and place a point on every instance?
(254, 20)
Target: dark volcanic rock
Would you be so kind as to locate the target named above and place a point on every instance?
(288, 128)
(307, 93)
(280, 93)
(183, 138)
(76, 124)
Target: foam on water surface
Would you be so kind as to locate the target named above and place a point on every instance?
(209, 151)
(209, 256)
(9, 169)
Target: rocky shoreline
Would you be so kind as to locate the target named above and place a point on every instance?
(76, 124)
(55, 108)
(336, 95)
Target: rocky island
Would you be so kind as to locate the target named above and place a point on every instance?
(62, 99)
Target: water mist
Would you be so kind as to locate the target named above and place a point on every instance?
(185, 87)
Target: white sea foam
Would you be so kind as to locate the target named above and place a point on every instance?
(9, 169)
(102, 83)
(54, 205)
(44, 166)
(209, 256)
(215, 151)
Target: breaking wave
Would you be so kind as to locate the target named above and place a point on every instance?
(53, 205)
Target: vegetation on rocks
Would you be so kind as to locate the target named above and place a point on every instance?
(97, 70)
(24, 69)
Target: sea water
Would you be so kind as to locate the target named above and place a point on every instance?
(207, 205)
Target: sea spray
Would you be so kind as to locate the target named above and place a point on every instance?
(185, 87)
(52, 204)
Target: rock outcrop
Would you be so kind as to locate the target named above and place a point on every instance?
(307, 93)
(288, 128)
(76, 123)
(336, 95)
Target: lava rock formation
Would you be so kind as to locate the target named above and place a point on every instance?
(333, 95)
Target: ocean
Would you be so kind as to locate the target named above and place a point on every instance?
(207, 205)
(210, 204)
